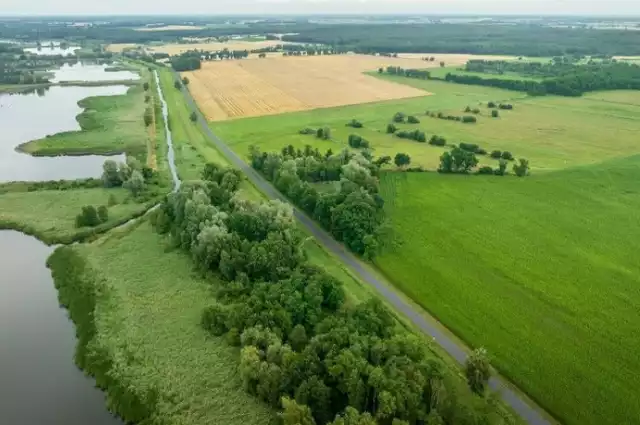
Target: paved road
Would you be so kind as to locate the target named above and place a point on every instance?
(529, 413)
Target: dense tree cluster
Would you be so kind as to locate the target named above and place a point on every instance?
(357, 142)
(561, 78)
(354, 123)
(322, 360)
(462, 160)
(352, 211)
(187, 61)
(416, 135)
(421, 74)
(131, 175)
(466, 119)
(91, 217)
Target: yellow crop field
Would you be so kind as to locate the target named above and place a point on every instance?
(213, 46)
(246, 88)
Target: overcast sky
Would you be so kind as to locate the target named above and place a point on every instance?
(127, 7)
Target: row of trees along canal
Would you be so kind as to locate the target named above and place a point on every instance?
(560, 78)
(323, 360)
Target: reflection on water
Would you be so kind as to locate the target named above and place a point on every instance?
(39, 383)
(52, 51)
(85, 72)
(25, 117)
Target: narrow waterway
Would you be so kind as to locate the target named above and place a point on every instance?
(170, 154)
(39, 383)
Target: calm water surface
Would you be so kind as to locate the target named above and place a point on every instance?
(52, 51)
(39, 384)
(86, 72)
(25, 117)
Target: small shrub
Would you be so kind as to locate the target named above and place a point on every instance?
(399, 117)
(326, 133)
(506, 106)
(103, 214)
(485, 170)
(413, 120)
(145, 86)
(437, 141)
(502, 168)
(467, 109)
(148, 117)
(507, 155)
(354, 124)
(521, 169)
(307, 131)
(495, 113)
(469, 147)
(420, 137)
(88, 217)
(480, 151)
(496, 154)
(177, 84)
(491, 105)
(356, 141)
(112, 200)
(476, 111)
(185, 81)
(193, 117)
(391, 128)
(320, 133)
(147, 98)
(469, 119)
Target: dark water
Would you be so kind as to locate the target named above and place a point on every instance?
(87, 72)
(25, 117)
(39, 383)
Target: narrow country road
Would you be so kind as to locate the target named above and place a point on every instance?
(529, 412)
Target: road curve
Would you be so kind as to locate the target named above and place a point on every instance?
(530, 413)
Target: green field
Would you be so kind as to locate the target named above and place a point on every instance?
(148, 321)
(50, 214)
(541, 271)
(552, 132)
(109, 125)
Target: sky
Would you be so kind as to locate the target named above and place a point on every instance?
(221, 7)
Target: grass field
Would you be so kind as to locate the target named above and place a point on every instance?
(149, 323)
(552, 132)
(233, 89)
(539, 270)
(109, 125)
(50, 214)
(459, 70)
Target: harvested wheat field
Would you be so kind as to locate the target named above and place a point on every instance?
(247, 88)
(214, 46)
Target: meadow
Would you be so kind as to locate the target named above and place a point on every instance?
(540, 271)
(109, 125)
(147, 320)
(50, 214)
(552, 132)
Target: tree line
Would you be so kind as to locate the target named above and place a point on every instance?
(572, 80)
(352, 213)
(303, 347)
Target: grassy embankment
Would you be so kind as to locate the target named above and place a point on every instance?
(49, 214)
(540, 270)
(552, 132)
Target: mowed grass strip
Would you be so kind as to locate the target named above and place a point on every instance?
(149, 322)
(541, 271)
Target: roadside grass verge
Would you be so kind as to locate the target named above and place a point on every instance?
(540, 271)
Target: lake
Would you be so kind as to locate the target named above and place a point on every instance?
(87, 72)
(52, 51)
(29, 116)
(39, 383)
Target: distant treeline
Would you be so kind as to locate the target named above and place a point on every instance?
(567, 80)
(528, 40)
